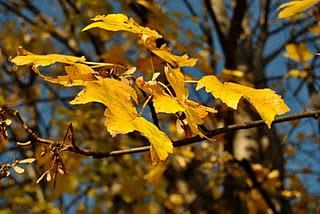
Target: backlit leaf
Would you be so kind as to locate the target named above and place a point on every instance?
(165, 53)
(28, 160)
(162, 101)
(194, 111)
(18, 169)
(27, 58)
(77, 69)
(296, 73)
(266, 102)
(298, 52)
(120, 22)
(121, 115)
(292, 8)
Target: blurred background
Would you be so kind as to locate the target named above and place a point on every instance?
(229, 35)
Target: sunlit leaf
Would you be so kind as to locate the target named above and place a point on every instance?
(27, 58)
(267, 103)
(18, 169)
(121, 115)
(194, 111)
(166, 54)
(120, 22)
(77, 69)
(297, 73)
(292, 8)
(28, 160)
(162, 101)
(298, 52)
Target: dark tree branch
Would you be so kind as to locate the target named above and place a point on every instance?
(178, 143)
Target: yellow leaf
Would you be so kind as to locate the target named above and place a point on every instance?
(234, 73)
(28, 160)
(77, 68)
(162, 101)
(18, 169)
(44, 60)
(121, 115)
(266, 102)
(178, 61)
(296, 73)
(77, 74)
(120, 22)
(290, 194)
(292, 8)
(193, 110)
(298, 52)
(315, 30)
(176, 79)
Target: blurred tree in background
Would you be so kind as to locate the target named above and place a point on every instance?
(252, 170)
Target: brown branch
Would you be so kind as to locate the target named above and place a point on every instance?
(86, 152)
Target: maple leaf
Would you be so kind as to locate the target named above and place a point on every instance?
(298, 52)
(166, 103)
(292, 8)
(194, 111)
(120, 22)
(266, 102)
(165, 53)
(121, 115)
(26, 58)
(162, 101)
(77, 69)
(297, 73)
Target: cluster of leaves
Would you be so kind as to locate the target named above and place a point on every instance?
(194, 173)
(120, 98)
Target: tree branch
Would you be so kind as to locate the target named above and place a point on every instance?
(178, 143)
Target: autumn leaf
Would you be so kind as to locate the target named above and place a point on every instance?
(26, 58)
(76, 75)
(296, 73)
(178, 61)
(120, 22)
(266, 102)
(298, 52)
(194, 111)
(77, 69)
(166, 103)
(292, 8)
(121, 115)
(162, 101)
